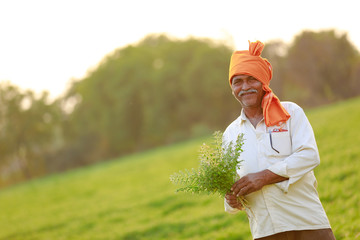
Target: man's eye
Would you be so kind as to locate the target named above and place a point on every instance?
(236, 82)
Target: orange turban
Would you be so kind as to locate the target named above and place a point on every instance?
(251, 63)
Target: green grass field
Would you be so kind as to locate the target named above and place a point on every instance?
(132, 197)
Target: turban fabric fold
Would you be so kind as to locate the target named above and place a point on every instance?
(249, 62)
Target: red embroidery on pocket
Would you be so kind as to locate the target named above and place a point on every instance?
(279, 130)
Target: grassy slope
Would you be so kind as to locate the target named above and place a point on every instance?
(132, 198)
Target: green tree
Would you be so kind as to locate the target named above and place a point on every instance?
(322, 64)
(155, 92)
(29, 129)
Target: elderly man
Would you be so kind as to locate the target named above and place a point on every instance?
(280, 153)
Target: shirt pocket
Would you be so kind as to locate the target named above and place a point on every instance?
(278, 144)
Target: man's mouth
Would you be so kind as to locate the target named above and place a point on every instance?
(251, 91)
(245, 94)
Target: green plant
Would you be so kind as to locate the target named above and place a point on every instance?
(217, 170)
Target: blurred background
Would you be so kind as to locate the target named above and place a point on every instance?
(86, 81)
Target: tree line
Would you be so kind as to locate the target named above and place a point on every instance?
(159, 91)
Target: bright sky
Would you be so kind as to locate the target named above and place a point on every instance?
(45, 43)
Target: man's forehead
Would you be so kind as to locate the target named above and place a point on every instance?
(243, 76)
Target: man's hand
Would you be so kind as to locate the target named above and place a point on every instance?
(254, 182)
(232, 200)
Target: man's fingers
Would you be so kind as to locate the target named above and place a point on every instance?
(237, 187)
(234, 203)
(231, 200)
(243, 191)
(230, 197)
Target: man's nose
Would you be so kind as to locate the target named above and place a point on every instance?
(246, 85)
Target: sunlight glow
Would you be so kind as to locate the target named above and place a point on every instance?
(44, 44)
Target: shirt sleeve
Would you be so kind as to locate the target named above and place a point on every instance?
(305, 155)
(230, 209)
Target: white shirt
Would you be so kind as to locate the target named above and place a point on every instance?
(293, 204)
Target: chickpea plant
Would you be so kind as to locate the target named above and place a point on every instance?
(217, 170)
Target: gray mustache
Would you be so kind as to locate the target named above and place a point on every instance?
(247, 91)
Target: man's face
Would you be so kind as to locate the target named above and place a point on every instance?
(248, 91)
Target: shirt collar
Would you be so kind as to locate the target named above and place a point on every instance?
(243, 118)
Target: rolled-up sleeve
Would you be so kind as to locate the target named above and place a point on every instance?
(305, 155)
(230, 209)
